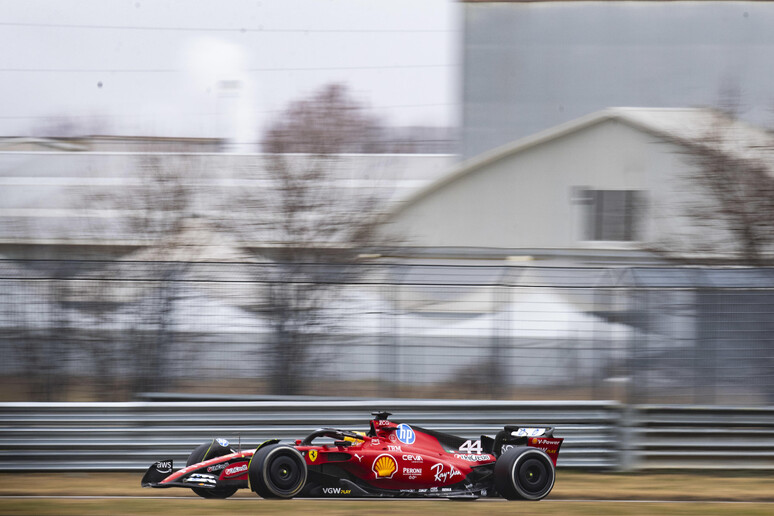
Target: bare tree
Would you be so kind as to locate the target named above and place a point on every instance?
(162, 207)
(69, 127)
(727, 202)
(732, 171)
(310, 228)
(37, 328)
(332, 121)
(738, 180)
(151, 210)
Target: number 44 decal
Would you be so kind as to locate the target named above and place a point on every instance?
(471, 446)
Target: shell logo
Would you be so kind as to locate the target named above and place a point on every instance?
(385, 466)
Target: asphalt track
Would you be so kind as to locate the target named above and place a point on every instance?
(383, 500)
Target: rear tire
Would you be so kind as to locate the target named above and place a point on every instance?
(198, 456)
(524, 473)
(277, 471)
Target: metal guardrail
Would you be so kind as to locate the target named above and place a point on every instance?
(130, 436)
(701, 437)
(598, 434)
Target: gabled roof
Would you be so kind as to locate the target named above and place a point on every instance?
(30, 143)
(680, 125)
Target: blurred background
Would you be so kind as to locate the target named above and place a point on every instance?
(441, 199)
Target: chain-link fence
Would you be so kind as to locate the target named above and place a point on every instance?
(110, 330)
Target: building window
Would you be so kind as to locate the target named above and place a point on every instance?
(611, 215)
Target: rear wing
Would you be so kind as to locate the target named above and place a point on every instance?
(519, 431)
(511, 435)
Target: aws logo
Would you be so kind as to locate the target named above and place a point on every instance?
(385, 466)
(164, 467)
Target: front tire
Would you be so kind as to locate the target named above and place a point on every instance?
(198, 455)
(524, 473)
(277, 471)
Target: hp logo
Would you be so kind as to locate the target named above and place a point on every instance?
(405, 434)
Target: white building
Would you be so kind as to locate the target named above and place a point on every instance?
(608, 183)
(61, 204)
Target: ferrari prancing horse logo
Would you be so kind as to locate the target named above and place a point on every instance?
(313, 455)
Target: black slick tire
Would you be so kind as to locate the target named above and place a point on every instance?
(524, 473)
(277, 471)
(198, 455)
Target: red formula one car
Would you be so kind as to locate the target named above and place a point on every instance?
(390, 460)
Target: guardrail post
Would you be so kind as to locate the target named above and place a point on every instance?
(627, 456)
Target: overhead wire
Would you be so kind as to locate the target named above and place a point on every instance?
(258, 29)
(219, 29)
(268, 69)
